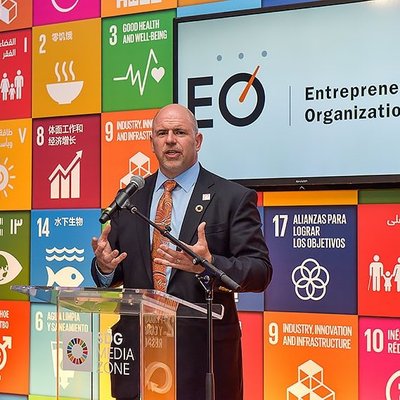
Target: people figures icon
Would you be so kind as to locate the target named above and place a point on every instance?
(19, 84)
(396, 274)
(12, 90)
(377, 275)
(5, 86)
(387, 277)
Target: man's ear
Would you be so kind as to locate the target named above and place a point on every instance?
(199, 140)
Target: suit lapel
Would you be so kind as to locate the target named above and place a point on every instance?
(200, 200)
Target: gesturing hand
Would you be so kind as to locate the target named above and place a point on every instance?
(107, 258)
(183, 261)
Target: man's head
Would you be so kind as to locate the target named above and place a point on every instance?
(175, 139)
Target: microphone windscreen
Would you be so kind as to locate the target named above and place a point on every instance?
(138, 180)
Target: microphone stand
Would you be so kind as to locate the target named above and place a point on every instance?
(207, 279)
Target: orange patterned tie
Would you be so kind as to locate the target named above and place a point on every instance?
(163, 218)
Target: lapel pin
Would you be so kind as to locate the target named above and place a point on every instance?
(199, 208)
(206, 196)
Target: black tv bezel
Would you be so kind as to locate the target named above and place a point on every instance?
(337, 182)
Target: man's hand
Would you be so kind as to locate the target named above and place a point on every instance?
(181, 260)
(107, 258)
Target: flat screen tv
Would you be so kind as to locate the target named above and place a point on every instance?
(302, 96)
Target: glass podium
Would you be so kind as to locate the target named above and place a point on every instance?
(116, 342)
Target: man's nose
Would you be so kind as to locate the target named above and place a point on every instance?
(171, 138)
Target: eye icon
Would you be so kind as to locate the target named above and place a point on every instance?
(10, 267)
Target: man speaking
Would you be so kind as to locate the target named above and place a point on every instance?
(218, 220)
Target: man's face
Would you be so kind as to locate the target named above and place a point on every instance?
(174, 140)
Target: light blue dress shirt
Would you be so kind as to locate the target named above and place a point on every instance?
(180, 200)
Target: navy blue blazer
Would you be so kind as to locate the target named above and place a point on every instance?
(234, 237)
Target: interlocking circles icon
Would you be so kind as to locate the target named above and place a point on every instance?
(310, 280)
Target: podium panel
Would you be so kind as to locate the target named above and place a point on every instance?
(158, 338)
(115, 343)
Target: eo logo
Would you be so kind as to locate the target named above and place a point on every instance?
(241, 98)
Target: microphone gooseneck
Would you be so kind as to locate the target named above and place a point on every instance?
(136, 183)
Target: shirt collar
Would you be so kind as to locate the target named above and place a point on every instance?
(185, 180)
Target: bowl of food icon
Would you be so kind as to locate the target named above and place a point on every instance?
(64, 92)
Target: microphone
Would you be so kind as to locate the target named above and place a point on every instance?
(136, 183)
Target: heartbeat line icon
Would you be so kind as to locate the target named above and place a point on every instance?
(156, 73)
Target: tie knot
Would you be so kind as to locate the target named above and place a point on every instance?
(169, 185)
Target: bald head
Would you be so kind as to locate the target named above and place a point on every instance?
(177, 109)
(175, 139)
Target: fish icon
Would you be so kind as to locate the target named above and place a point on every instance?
(67, 276)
